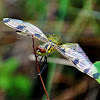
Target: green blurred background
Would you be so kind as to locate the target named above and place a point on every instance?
(75, 21)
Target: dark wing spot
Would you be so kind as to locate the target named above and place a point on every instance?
(20, 27)
(44, 39)
(86, 70)
(7, 20)
(96, 75)
(76, 61)
(62, 50)
(38, 35)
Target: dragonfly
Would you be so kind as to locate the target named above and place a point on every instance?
(72, 51)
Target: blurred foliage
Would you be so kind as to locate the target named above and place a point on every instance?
(35, 9)
(10, 82)
(63, 8)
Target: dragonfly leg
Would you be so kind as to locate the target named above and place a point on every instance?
(40, 59)
(45, 61)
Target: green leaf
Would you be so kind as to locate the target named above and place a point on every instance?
(97, 65)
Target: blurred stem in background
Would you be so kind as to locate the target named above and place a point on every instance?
(36, 9)
(49, 79)
(62, 12)
(95, 14)
(80, 21)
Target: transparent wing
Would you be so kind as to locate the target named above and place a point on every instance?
(38, 34)
(25, 28)
(74, 53)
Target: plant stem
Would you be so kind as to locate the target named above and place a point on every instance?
(39, 70)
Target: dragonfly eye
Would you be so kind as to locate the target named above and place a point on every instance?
(41, 49)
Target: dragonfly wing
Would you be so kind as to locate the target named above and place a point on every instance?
(22, 33)
(75, 54)
(25, 28)
(36, 32)
(32, 28)
(15, 24)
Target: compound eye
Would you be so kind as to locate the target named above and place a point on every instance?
(41, 49)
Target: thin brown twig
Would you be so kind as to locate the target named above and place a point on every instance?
(39, 70)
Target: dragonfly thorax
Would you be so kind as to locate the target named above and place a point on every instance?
(47, 48)
(55, 38)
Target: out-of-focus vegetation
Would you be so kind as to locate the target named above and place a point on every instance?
(12, 82)
(75, 21)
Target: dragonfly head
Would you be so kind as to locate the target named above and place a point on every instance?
(40, 50)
